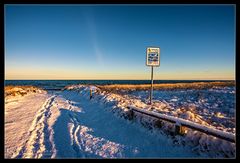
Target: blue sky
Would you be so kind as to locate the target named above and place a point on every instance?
(110, 41)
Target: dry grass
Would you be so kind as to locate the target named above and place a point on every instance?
(20, 90)
(168, 86)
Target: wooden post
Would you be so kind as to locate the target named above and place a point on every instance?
(90, 94)
(130, 113)
(158, 123)
(177, 129)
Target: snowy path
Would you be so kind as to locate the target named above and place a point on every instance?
(39, 133)
(19, 116)
(69, 125)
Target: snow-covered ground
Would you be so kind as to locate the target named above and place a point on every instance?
(215, 106)
(67, 124)
(201, 143)
(18, 118)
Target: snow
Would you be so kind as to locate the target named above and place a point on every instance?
(215, 106)
(189, 123)
(68, 124)
(19, 114)
(97, 133)
(120, 102)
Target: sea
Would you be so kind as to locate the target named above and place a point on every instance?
(59, 84)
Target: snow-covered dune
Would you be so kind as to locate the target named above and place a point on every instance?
(68, 124)
(200, 142)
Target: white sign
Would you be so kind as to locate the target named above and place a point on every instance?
(153, 56)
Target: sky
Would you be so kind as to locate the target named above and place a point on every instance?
(110, 41)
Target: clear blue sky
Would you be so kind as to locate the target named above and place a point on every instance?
(110, 41)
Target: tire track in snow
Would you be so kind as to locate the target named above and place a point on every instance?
(39, 143)
(76, 145)
(76, 142)
(86, 145)
(74, 128)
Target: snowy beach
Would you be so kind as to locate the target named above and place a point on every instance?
(68, 124)
(118, 81)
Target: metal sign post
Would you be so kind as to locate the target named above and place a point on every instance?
(153, 60)
(151, 93)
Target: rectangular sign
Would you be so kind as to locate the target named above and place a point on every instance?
(153, 56)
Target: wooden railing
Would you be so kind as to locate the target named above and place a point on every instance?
(179, 122)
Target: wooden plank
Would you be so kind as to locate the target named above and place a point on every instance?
(192, 125)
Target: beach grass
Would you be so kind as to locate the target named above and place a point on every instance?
(13, 90)
(167, 86)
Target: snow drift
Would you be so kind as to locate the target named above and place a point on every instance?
(200, 142)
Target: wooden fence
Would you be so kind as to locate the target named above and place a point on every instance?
(179, 122)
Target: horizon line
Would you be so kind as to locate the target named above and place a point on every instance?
(121, 79)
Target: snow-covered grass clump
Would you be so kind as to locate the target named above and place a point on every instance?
(14, 93)
(21, 90)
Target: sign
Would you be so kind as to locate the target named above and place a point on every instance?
(153, 60)
(153, 56)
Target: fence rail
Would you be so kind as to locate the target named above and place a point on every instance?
(192, 125)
